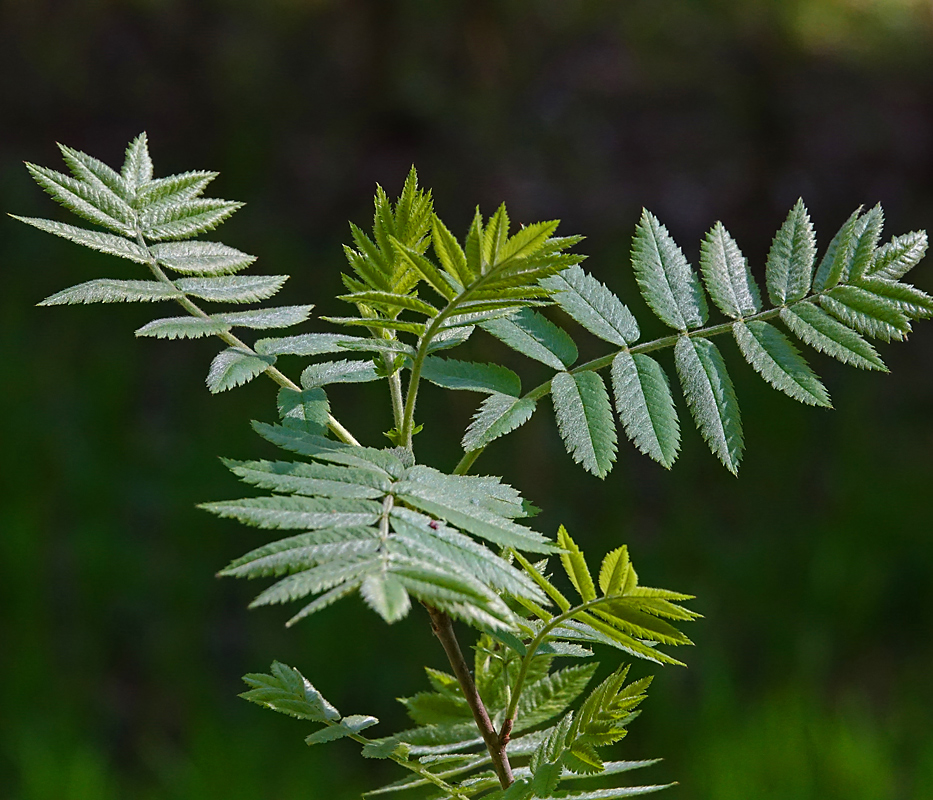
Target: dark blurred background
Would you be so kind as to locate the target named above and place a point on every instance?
(120, 655)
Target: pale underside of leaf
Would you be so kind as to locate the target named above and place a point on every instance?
(234, 367)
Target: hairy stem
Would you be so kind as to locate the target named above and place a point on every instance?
(273, 372)
(496, 745)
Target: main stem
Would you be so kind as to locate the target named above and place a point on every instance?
(495, 744)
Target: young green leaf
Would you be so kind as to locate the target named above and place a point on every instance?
(789, 269)
(779, 362)
(711, 398)
(645, 406)
(591, 304)
(727, 276)
(667, 282)
(617, 575)
(584, 418)
(575, 566)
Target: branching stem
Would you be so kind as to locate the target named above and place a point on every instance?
(496, 745)
(533, 648)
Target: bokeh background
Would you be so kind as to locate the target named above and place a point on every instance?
(120, 654)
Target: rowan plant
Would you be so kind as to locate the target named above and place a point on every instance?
(372, 520)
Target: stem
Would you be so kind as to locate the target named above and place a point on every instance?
(496, 745)
(273, 372)
(533, 648)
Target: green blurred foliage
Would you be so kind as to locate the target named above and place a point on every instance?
(120, 657)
